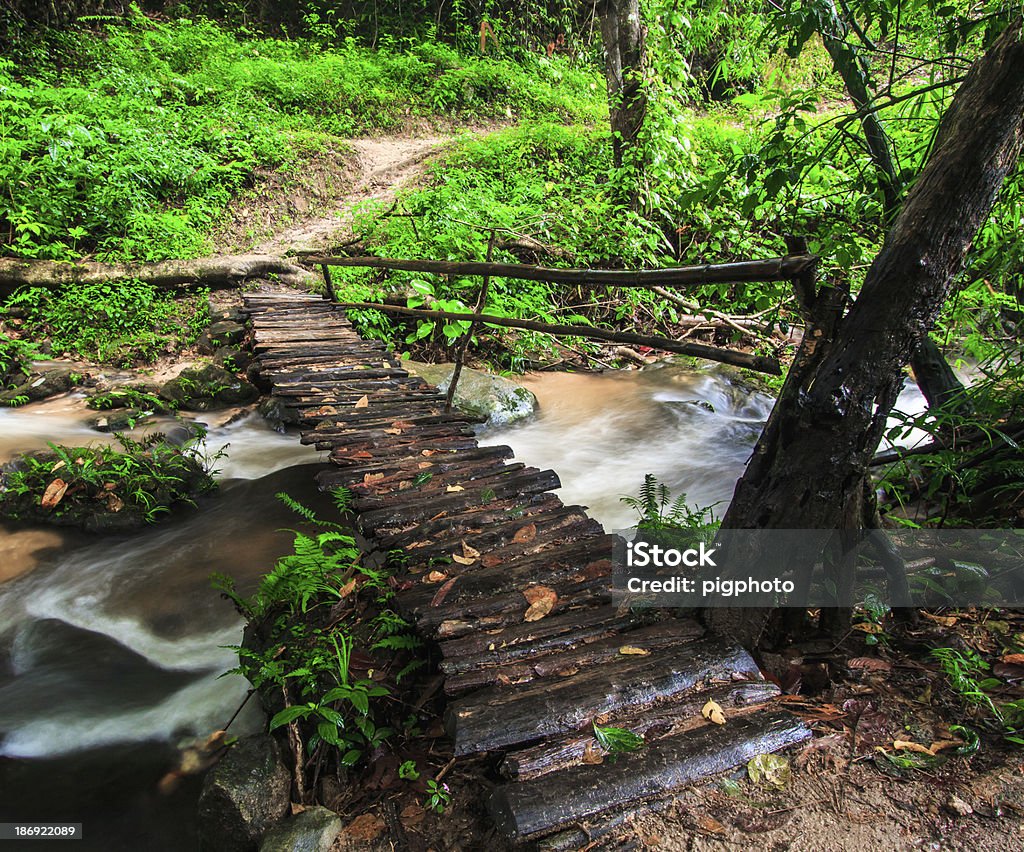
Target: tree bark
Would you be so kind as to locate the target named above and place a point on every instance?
(819, 440)
(623, 37)
(932, 373)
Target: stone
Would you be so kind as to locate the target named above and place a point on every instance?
(208, 388)
(46, 384)
(233, 359)
(313, 830)
(120, 420)
(500, 400)
(243, 796)
(218, 334)
(277, 413)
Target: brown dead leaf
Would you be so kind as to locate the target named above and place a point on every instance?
(868, 627)
(347, 589)
(370, 478)
(362, 402)
(57, 466)
(941, 745)
(712, 711)
(324, 410)
(424, 465)
(365, 828)
(411, 816)
(114, 503)
(871, 664)
(402, 424)
(427, 452)
(917, 748)
(709, 825)
(53, 494)
(542, 600)
(592, 755)
(442, 593)
(392, 431)
(525, 534)
(462, 560)
(943, 620)
(435, 577)
(471, 552)
(452, 488)
(491, 561)
(632, 650)
(1013, 659)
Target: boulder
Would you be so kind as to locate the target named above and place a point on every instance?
(232, 358)
(312, 830)
(120, 420)
(496, 398)
(39, 386)
(277, 413)
(218, 334)
(208, 388)
(243, 796)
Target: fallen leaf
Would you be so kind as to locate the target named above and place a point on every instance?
(372, 477)
(770, 769)
(871, 664)
(592, 755)
(392, 431)
(905, 745)
(709, 825)
(491, 561)
(347, 589)
(525, 534)
(402, 424)
(53, 494)
(57, 466)
(943, 620)
(362, 402)
(424, 465)
(868, 627)
(631, 650)
(326, 410)
(941, 745)
(451, 488)
(365, 828)
(427, 452)
(1013, 659)
(470, 551)
(462, 560)
(411, 816)
(114, 503)
(436, 577)
(542, 600)
(713, 712)
(442, 593)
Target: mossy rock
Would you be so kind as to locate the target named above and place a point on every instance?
(208, 388)
(38, 386)
(499, 400)
(219, 334)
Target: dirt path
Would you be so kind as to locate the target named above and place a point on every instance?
(382, 165)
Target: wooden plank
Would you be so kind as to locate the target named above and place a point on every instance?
(531, 808)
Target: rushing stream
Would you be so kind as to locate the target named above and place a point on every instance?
(110, 648)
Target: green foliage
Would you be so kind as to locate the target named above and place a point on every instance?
(128, 398)
(105, 487)
(15, 357)
(131, 144)
(438, 796)
(658, 511)
(307, 646)
(124, 323)
(967, 675)
(617, 740)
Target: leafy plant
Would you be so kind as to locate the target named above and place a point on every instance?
(439, 796)
(657, 510)
(15, 357)
(617, 740)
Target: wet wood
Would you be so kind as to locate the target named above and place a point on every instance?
(530, 808)
(494, 719)
(674, 716)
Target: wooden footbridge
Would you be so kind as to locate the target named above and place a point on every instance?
(514, 587)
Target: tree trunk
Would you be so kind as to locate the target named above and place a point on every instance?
(622, 34)
(228, 271)
(932, 373)
(815, 449)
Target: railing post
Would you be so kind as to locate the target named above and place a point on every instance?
(467, 338)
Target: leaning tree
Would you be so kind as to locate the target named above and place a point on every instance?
(809, 465)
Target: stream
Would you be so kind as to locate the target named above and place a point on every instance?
(111, 648)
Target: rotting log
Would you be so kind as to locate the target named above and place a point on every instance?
(528, 809)
(494, 719)
(227, 271)
(760, 363)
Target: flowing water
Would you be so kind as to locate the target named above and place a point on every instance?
(110, 648)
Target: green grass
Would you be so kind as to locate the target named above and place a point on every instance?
(130, 144)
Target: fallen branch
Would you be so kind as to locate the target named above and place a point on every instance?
(774, 269)
(760, 363)
(227, 271)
